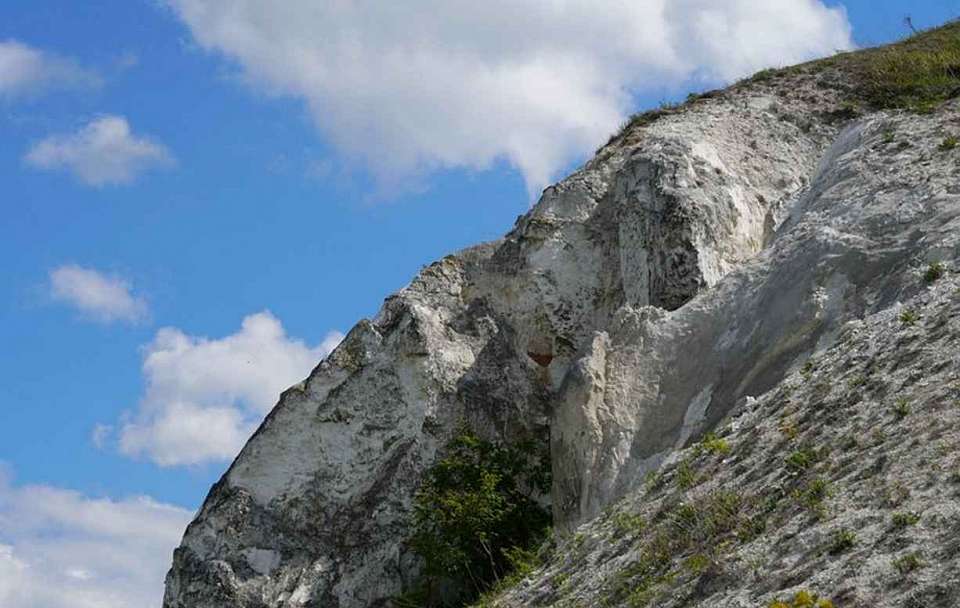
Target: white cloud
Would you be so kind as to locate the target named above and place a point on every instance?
(408, 87)
(103, 152)
(205, 396)
(100, 434)
(96, 295)
(27, 71)
(61, 549)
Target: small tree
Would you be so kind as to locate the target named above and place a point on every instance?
(477, 505)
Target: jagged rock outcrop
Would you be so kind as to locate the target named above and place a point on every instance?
(694, 264)
(843, 482)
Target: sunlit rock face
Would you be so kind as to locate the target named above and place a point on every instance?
(694, 263)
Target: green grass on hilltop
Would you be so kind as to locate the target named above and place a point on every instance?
(916, 74)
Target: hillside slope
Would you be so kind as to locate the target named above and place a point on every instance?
(740, 263)
(842, 482)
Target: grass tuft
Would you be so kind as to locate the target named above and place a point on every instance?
(909, 318)
(908, 563)
(934, 272)
(903, 519)
(841, 541)
(801, 459)
(803, 599)
(901, 408)
(715, 445)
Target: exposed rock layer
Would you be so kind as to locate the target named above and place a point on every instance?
(843, 481)
(694, 263)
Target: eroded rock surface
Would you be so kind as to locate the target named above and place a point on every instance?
(694, 263)
(842, 482)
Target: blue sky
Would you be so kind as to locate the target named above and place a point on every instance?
(161, 173)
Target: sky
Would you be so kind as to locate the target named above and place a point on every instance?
(200, 198)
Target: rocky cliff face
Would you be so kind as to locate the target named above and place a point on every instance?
(830, 365)
(678, 283)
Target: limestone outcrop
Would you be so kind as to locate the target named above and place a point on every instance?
(690, 268)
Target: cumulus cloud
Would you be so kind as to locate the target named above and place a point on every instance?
(98, 296)
(61, 549)
(408, 87)
(205, 396)
(26, 71)
(103, 152)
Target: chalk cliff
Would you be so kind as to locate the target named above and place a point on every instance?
(735, 265)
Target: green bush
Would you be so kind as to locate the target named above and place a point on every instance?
(841, 541)
(475, 515)
(901, 408)
(803, 599)
(631, 523)
(686, 476)
(904, 519)
(714, 445)
(812, 495)
(934, 272)
(909, 317)
(694, 533)
(801, 459)
(908, 563)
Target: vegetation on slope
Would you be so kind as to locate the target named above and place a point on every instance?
(477, 519)
(915, 74)
(839, 488)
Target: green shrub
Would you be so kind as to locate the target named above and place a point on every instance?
(560, 580)
(653, 481)
(856, 382)
(909, 317)
(901, 408)
(949, 143)
(801, 459)
(686, 476)
(750, 527)
(908, 563)
(842, 540)
(700, 523)
(763, 75)
(692, 533)
(697, 563)
(625, 522)
(934, 272)
(904, 519)
(803, 599)
(476, 516)
(715, 445)
(812, 495)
